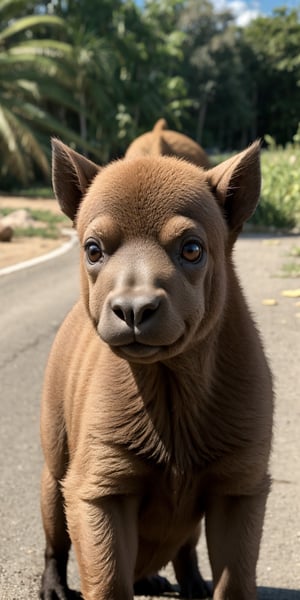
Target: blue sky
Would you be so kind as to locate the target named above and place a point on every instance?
(268, 5)
(245, 10)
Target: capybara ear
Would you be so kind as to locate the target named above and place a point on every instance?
(159, 146)
(160, 125)
(72, 173)
(236, 185)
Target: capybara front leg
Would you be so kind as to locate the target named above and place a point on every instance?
(192, 585)
(105, 538)
(234, 529)
(54, 580)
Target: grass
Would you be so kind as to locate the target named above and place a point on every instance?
(52, 233)
(296, 251)
(48, 224)
(279, 206)
(291, 268)
(35, 191)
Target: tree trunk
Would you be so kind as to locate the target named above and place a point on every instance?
(82, 118)
(201, 120)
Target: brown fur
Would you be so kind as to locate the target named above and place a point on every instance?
(157, 403)
(165, 142)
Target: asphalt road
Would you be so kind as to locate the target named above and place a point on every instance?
(33, 303)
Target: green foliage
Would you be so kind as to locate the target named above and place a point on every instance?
(46, 216)
(52, 233)
(274, 42)
(97, 74)
(34, 81)
(280, 197)
(296, 251)
(216, 78)
(48, 224)
(27, 65)
(291, 269)
(35, 191)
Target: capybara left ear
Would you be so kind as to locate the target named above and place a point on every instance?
(236, 185)
(72, 174)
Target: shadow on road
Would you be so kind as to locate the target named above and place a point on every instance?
(264, 593)
(267, 593)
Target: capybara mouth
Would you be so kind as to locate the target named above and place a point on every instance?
(137, 350)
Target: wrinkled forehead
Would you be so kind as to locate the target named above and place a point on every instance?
(141, 195)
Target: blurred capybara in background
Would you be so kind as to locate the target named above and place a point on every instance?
(165, 142)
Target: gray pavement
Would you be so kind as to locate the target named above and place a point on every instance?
(33, 303)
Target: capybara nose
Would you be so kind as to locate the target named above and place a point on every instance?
(135, 310)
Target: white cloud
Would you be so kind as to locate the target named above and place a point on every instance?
(243, 11)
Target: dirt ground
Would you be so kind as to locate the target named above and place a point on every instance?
(21, 248)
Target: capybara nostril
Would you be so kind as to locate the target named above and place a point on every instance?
(135, 310)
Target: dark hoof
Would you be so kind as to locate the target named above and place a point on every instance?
(153, 586)
(52, 588)
(196, 588)
(60, 593)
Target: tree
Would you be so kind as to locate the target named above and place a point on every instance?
(32, 73)
(92, 68)
(274, 42)
(150, 58)
(217, 83)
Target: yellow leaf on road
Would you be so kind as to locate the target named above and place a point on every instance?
(271, 242)
(291, 293)
(269, 302)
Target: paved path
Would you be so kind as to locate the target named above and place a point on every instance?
(33, 303)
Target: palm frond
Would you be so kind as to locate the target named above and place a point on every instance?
(44, 47)
(9, 8)
(15, 160)
(21, 25)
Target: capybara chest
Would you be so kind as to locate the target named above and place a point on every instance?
(169, 514)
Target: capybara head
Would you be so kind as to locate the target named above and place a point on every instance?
(156, 234)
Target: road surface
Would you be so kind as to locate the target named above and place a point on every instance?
(33, 303)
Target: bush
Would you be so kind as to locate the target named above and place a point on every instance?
(280, 197)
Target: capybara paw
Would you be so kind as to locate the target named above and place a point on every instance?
(54, 593)
(195, 588)
(153, 586)
(52, 589)
(60, 593)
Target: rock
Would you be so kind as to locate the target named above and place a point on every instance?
(6, 232)
(19, 218)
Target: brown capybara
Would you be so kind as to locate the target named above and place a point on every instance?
(157, 404)
(162, 141)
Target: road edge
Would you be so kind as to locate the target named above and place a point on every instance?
(32, 262)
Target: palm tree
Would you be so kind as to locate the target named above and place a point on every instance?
(33, 72)
(93, 69)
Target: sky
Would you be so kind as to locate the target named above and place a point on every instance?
(246, 10)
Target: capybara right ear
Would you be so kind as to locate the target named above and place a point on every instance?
(160, 125)
(72, 174)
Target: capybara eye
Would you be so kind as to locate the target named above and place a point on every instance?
(192, 251)
(93, 252)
